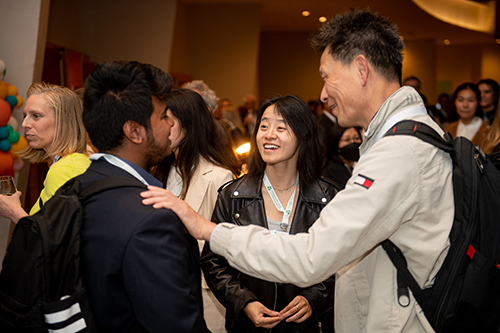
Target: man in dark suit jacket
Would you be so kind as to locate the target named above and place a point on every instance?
(141, 268)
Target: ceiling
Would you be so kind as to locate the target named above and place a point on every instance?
(413, 22)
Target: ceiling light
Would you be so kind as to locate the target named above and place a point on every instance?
(306, 13)
(322, 19)
(446, 41)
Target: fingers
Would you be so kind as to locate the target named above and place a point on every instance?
(298, 310)
(261, 316)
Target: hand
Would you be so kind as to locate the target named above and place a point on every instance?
(197, 226)
(299, 310)
(256, 311)
(10, 207)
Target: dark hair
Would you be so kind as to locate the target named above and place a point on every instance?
(464, 86)
(413, 78)
(299, 118)
(332, 142)
(202, 138)
(363, 32)
(495, 87)
(117, 92)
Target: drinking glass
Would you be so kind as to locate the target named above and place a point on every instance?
(7, 185)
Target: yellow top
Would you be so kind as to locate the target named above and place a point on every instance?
(59, 173)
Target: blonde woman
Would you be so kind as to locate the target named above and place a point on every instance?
(491, 143)
(55, 133)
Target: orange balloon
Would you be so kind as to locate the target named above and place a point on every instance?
(20, 101)
(11, 90)
(6, 163)
(3, 90)
(18, 146)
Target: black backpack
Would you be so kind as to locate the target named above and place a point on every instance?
(465, 296)
(41, 283)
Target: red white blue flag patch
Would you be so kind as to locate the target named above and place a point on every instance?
(364, 181)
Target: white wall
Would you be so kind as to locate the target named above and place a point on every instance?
(23, 24)
(128, 30)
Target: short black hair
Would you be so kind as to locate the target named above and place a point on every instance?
(362, 31)
(299, 117)
(117, 92)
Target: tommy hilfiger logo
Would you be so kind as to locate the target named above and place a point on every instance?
(364, 181)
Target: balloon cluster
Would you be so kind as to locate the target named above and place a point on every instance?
(11, 143)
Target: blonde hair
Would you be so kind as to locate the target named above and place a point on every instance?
(69, 136)
(492, 139)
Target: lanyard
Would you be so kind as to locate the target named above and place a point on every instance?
(394, 120)
(118, 163)
(277, 203)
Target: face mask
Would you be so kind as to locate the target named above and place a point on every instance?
(350, 152)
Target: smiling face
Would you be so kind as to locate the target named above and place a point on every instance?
(340, 90)
(275, 140)
(177, 133)
(39, 122)
(466, 104)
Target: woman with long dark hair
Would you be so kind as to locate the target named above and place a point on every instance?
(283, 192)
(342, 152)
(490, 92)
(199, 165)
(470, 124)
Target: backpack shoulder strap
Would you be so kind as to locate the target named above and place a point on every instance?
(108, 183)
(424, 132)
(405, 278)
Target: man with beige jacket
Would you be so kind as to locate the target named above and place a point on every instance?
(401, 189)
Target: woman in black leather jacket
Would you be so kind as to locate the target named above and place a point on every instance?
(283, 192)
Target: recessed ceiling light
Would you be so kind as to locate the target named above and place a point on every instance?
(446, 41)
(306, 13)
(322, 19)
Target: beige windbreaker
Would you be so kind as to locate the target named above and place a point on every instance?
(410, 202)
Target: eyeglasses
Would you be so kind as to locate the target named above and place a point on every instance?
(351, 139)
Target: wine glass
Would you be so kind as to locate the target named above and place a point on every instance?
(7, 185)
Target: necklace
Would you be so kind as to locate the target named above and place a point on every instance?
(286, 189)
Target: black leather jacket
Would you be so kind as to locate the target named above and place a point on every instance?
(240, 202)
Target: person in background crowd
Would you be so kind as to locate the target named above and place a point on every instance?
(413, 81)
(314, 106)
(283, 172)
(56, 135)
(442, 110)
(247, 111)
(325, 122)
(470, 124)
(489, 98)
(199, 165)
(342, 153)
(491, 143)
(402, 190)
(202, 88)
(227, 113)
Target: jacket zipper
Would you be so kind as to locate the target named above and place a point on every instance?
(275, 300)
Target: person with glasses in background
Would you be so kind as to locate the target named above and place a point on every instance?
(342, 154)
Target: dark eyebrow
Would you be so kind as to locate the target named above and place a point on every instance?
(280, 119)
